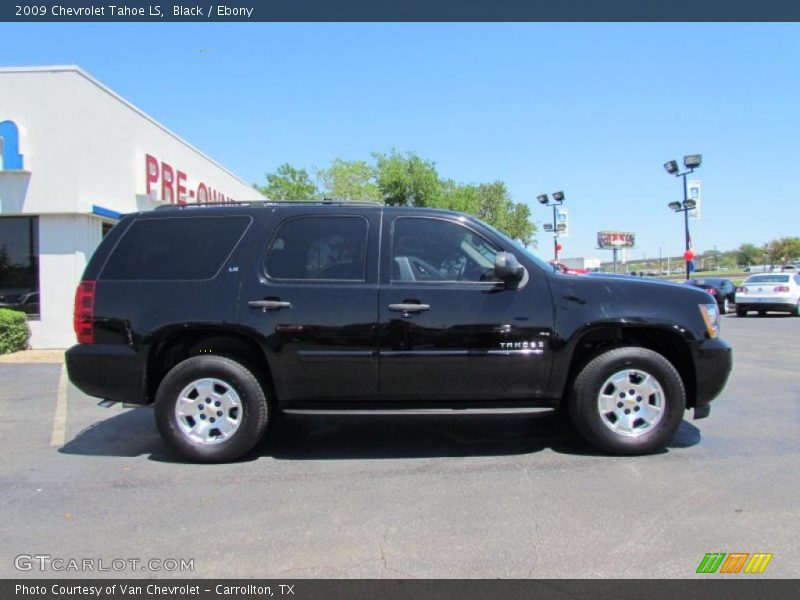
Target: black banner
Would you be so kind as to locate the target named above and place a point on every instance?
(400, 10)
(744, 588)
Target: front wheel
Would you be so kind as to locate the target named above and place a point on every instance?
(211, 409)
(628, 400)
(726, 306)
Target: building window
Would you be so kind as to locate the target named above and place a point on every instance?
(19, 264)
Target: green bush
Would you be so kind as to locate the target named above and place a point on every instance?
(13, 331)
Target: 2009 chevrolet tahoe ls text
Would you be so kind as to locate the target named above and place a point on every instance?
(223, 317)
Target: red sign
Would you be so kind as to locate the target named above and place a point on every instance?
(169, 185)
(615, 239)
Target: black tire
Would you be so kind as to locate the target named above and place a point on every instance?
(254, 405)
(796, 311)
(589, 421)
(761, 313)
(740, 312)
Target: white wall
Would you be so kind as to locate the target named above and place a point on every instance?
(83, 145)
(65, 244)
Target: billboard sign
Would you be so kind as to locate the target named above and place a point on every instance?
(615, 239)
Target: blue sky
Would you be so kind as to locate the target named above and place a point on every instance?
(593, 109)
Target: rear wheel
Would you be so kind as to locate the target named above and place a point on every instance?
(211, 409)
(628, 400)
(796, 311)
(740, 312)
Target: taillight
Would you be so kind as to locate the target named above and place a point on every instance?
(83, 318)
(741, 289)
(781, 288)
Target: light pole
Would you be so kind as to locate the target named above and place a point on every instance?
(558, 199)
(691, 162)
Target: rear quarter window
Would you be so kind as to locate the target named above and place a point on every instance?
(175, 248)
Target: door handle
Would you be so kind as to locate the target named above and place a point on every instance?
(409, 307)
(269, 304)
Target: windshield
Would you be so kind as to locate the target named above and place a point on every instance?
(518, 246)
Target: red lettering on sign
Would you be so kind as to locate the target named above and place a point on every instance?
(151, 175)
(167, 180)
(173, 187)
(181, 187)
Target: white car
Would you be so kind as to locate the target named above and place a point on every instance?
(773, 291)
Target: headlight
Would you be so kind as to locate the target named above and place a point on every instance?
(711, 317)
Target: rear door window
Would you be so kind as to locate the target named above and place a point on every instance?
(175, 248)
(319, 248)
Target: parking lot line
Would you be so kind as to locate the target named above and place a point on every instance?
(60, 418)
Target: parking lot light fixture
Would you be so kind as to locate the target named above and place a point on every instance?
(691, 162)
(558, 198)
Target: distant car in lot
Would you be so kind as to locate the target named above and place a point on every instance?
(723, 290)
(769, 292)
(27, 303)
(562, 268)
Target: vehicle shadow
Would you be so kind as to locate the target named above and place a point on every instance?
(133, 433)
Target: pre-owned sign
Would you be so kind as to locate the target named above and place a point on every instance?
(165, 183)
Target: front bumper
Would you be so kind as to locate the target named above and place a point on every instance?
(713, 360)
(109, 371)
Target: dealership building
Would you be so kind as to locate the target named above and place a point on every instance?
(75, 157)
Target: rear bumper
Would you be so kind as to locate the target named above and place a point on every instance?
(112, 372)
(778, 304)
(713, 361)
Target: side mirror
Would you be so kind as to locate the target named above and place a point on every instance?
(507, 268)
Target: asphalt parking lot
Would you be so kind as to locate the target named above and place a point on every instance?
(411, 497)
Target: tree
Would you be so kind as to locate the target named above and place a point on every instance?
(519, 225)
(349, 180)
(289, 183)
(407, 180)
(492, 203)
(783, 250)
(749, 254)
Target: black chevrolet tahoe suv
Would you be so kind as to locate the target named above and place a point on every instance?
(225, 317)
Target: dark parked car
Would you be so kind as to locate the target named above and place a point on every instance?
(224, 317)
(27, 303)
(723, 291)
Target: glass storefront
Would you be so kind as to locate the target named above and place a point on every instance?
(19, 264)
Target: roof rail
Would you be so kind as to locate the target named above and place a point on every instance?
(324, 202)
